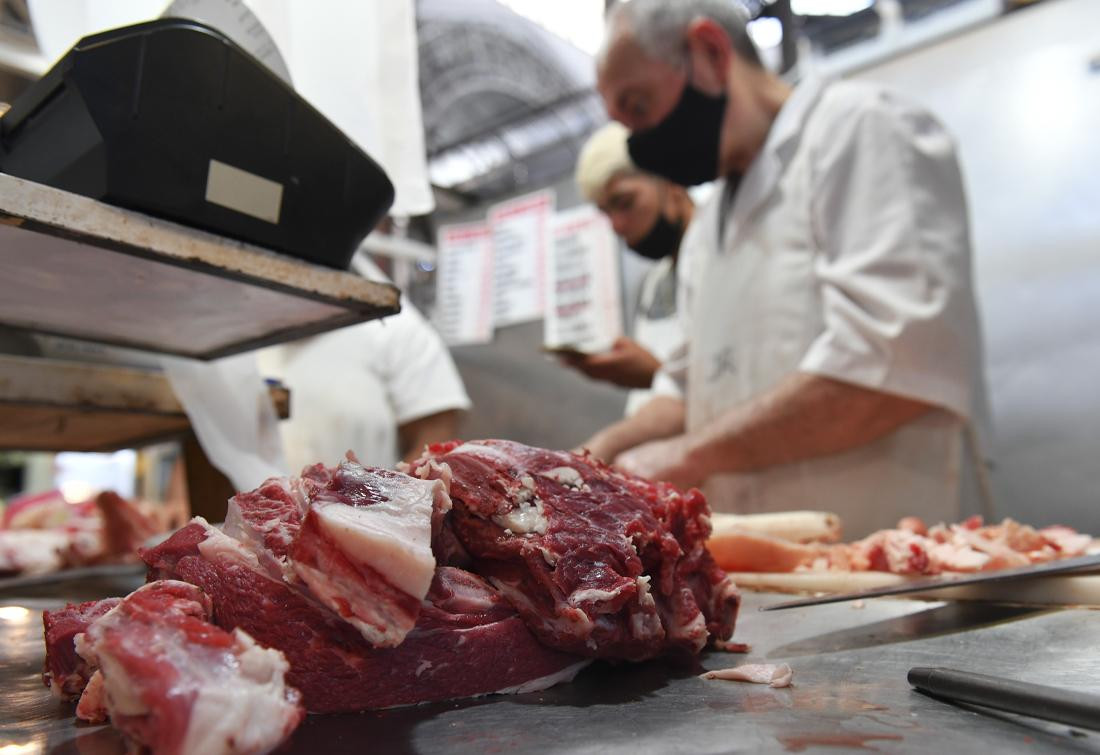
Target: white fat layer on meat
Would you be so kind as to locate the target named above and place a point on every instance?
(565, 475)
(219, 545)
(645, 623)
(120, 692)
(386, 630)
(432, 470)
(528, 516)
(470, 598)
(569, 620)
(84, 647)
(475, 449)
(693, 631)
(393, 536)
(545, 682)
(248, 712)
(593, 595)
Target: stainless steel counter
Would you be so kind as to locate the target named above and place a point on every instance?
(849, 692)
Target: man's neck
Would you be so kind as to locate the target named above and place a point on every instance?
(769, 94)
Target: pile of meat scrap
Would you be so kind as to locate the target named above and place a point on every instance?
(490, 567)
(910, 548)
(45, 533)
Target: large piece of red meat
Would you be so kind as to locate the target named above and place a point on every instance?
(463, 625)
(66, 673)
(358, 538)
(174, 683)
(597, 562)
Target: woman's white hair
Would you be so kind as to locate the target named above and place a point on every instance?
(603, 157)
(658, 26)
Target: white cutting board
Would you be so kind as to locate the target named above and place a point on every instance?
(1083, 590)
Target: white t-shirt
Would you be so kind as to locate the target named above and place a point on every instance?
(351, 388)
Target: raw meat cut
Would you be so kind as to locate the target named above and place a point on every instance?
(358, 538)
(911, 548)
(125, 525)
(30, 552)
(464, 625)
(365, 548)
(597, 562)
(758, 673)
(350, 575)
(266, 521)
(66, 672)
(45, 533)
(175, 683)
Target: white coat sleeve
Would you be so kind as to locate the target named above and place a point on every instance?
(893, 264)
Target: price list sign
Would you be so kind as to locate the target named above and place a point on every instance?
(521, 238)
(583, 294)
(464, 284)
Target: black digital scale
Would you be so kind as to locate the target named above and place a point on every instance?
(173, 119)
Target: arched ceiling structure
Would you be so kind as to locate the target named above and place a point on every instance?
(506, 104)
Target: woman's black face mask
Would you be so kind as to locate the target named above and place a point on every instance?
(662, 240)
(685, 146)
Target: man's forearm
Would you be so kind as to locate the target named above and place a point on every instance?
(661, 417)
(434, 428)
(804, 417)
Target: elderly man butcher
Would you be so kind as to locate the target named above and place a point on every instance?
(833, 355)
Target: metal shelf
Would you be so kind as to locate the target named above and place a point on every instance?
(73, 266)
(53, 405)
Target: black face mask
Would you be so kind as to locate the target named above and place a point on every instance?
(662, 240)
(684, 147)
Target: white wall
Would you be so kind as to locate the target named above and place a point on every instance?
(1024, 106)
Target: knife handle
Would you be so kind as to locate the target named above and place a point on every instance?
(1039, 701)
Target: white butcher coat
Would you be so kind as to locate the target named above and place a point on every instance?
(656, 326)
(351, 388)
(845, 253)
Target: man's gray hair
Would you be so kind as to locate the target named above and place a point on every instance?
(658, 26)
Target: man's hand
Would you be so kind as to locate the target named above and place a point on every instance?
(626, 364)
(660, 417)
(668, 460)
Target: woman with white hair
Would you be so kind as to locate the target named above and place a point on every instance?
(650, 214)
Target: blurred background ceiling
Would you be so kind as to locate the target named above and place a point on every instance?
(507, 86)
(506, 102)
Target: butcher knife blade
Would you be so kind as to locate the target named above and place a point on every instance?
(1064, 566)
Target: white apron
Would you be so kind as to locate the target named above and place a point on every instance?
(763, 310)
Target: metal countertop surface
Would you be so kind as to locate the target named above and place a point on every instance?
(849, 690)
